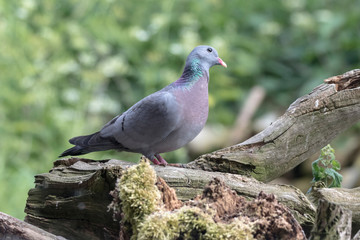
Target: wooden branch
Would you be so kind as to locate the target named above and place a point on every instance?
(332, 222)
(72, 199)
(12, 228)
(309, 124)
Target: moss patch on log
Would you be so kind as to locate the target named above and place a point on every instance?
(151, 210)
(139, 197)
(192, 223)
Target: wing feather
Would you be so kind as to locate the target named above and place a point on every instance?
(147, 122)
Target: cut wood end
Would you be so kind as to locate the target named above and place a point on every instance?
(348, 80)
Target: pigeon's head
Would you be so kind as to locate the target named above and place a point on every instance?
(206, 55)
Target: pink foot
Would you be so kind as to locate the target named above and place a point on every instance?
(161, 160)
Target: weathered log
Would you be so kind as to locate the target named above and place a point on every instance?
(332, 222)
(345, 198)
(72, 199)
(13, 228)
(309, 124)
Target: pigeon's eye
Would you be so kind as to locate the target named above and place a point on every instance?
(209, 49)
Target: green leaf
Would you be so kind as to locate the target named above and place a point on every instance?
(335, 165)
(317, 171)
(325, 168)
(331, 156)
(335, 176)
(337, 180)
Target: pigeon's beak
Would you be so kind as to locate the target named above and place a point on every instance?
(222, 62)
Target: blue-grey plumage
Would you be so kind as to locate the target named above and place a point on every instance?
(163, 121)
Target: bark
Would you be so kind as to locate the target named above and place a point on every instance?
(332, 222)
(309, 124)
(348, 199)
(12, 228)
(357, 236)
(71, 200)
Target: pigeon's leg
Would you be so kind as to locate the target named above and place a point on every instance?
(155, 161)
(161, 159)
(151, 158)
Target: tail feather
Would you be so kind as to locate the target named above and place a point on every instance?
(91, 143)
(74, 151)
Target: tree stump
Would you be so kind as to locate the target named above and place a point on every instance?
(332, 222)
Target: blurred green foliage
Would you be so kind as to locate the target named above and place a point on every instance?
(67, 67)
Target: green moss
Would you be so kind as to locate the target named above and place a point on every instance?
(237, 229)
(160, 226)
(138, 193)
(191, 223)
(140, 204)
